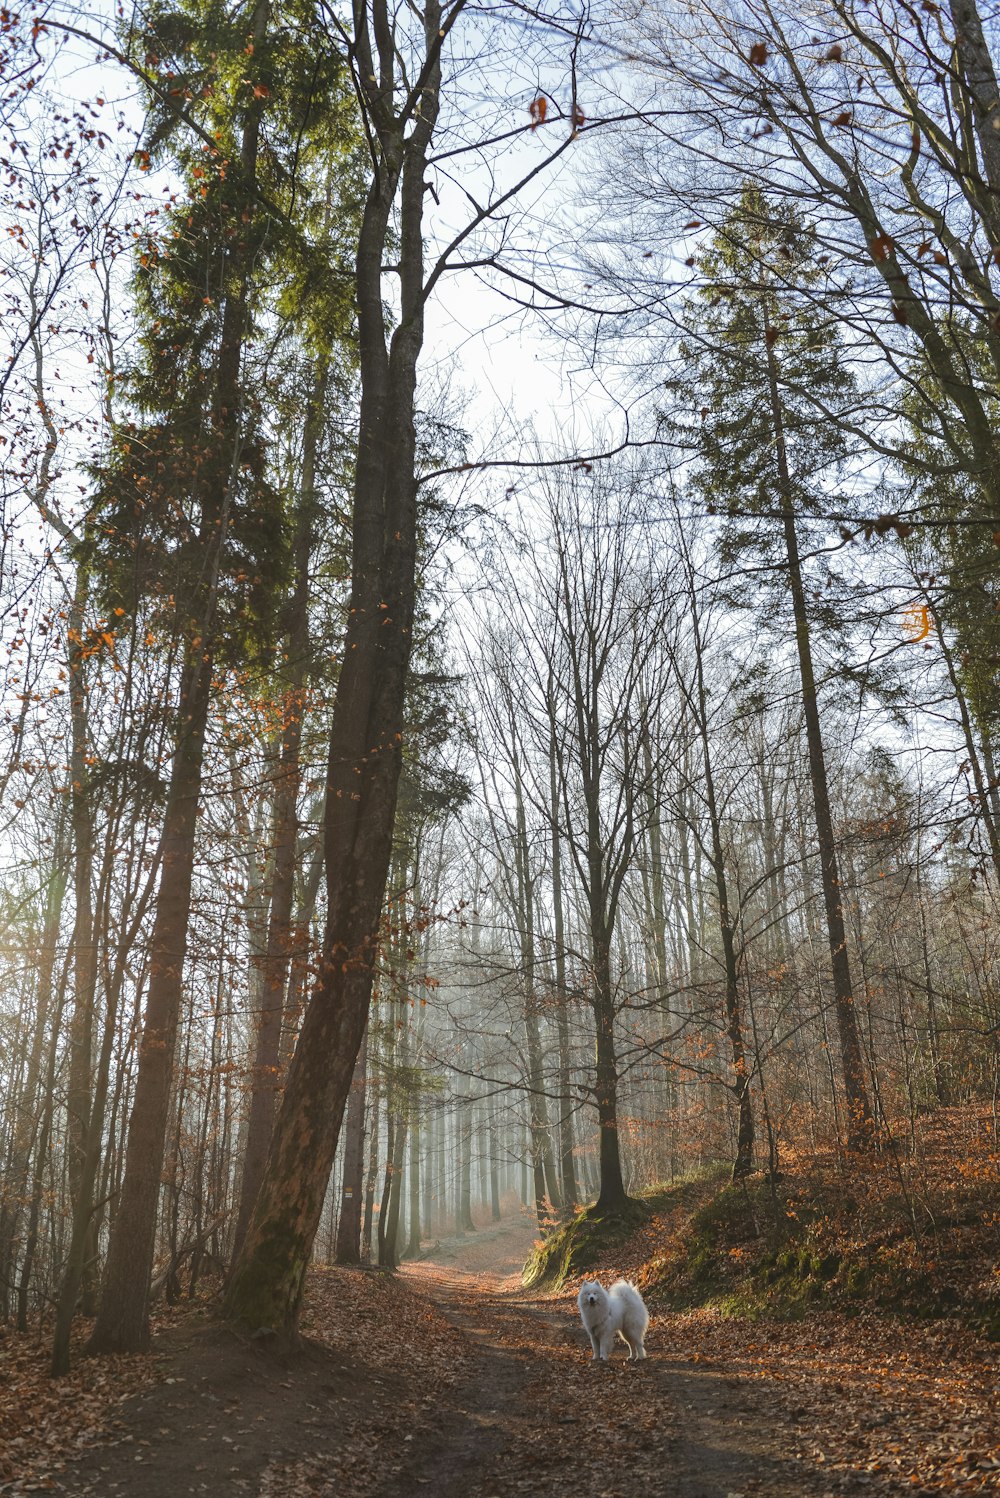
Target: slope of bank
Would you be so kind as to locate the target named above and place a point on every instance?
(914, 1230)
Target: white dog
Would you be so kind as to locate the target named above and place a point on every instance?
(619, 1311)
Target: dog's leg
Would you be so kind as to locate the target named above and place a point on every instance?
(607, 1342)
(595, 1345)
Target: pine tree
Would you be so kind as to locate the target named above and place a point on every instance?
(768, 372)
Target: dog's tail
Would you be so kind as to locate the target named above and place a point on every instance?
(626, 1291)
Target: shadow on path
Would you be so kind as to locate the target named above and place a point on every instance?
(535, 1416)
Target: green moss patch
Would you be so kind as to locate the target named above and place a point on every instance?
(787, 1249)
(590, 1240)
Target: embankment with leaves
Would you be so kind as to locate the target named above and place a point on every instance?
(915, 1231)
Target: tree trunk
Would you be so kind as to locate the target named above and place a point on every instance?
(85, 1215)
(371, 1175)
(81, 1030)
(266, 1286)
(547, 1197)
(494, 1162)
(612, 1196)
(388, 1225)
(266, 1075)
(33, 1097)
(41, 1161)
(123, 1317)
(348, 1250)
(860, 1124)
(412, 1250)
(567, 1167)
(463, 1138)
(743, 1159)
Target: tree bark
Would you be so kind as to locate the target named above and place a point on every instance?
(547, 1198)
(364, 763)
(123, 1317)
(612, 1196)
(81, 1030)
(266, 1074)
(740, 1086)
(567, 1166)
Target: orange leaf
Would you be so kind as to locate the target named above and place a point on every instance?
(538, 109)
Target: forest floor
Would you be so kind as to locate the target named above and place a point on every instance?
(450, 1379)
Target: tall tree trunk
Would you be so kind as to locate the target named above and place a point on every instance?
(388, 1225)
(612, 1195)
(740, 1086)
(266, 1286)
(860, 1123)
(348, 1250)
(567, 1167)
(371, 1175)
(463, 1139)
(33, 1097)
(123, 1317)
(412, 1250)
(85, 1215)
(41, 1161)
(81, 1030)
(266, 1075)
(547, 1197)
(494, 1143)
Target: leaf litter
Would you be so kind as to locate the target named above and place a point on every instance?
(449, 1378)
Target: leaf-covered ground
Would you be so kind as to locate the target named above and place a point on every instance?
(45, 1422)
(451, 1379)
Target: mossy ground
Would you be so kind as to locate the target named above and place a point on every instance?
(591, 1239)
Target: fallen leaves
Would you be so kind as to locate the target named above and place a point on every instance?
(439, 1379)
(43, 1421)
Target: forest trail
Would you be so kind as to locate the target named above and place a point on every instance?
(537, 1417)
(450, 1379)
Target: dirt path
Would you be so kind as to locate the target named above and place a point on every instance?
(450, 1380)
(534, 1416)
